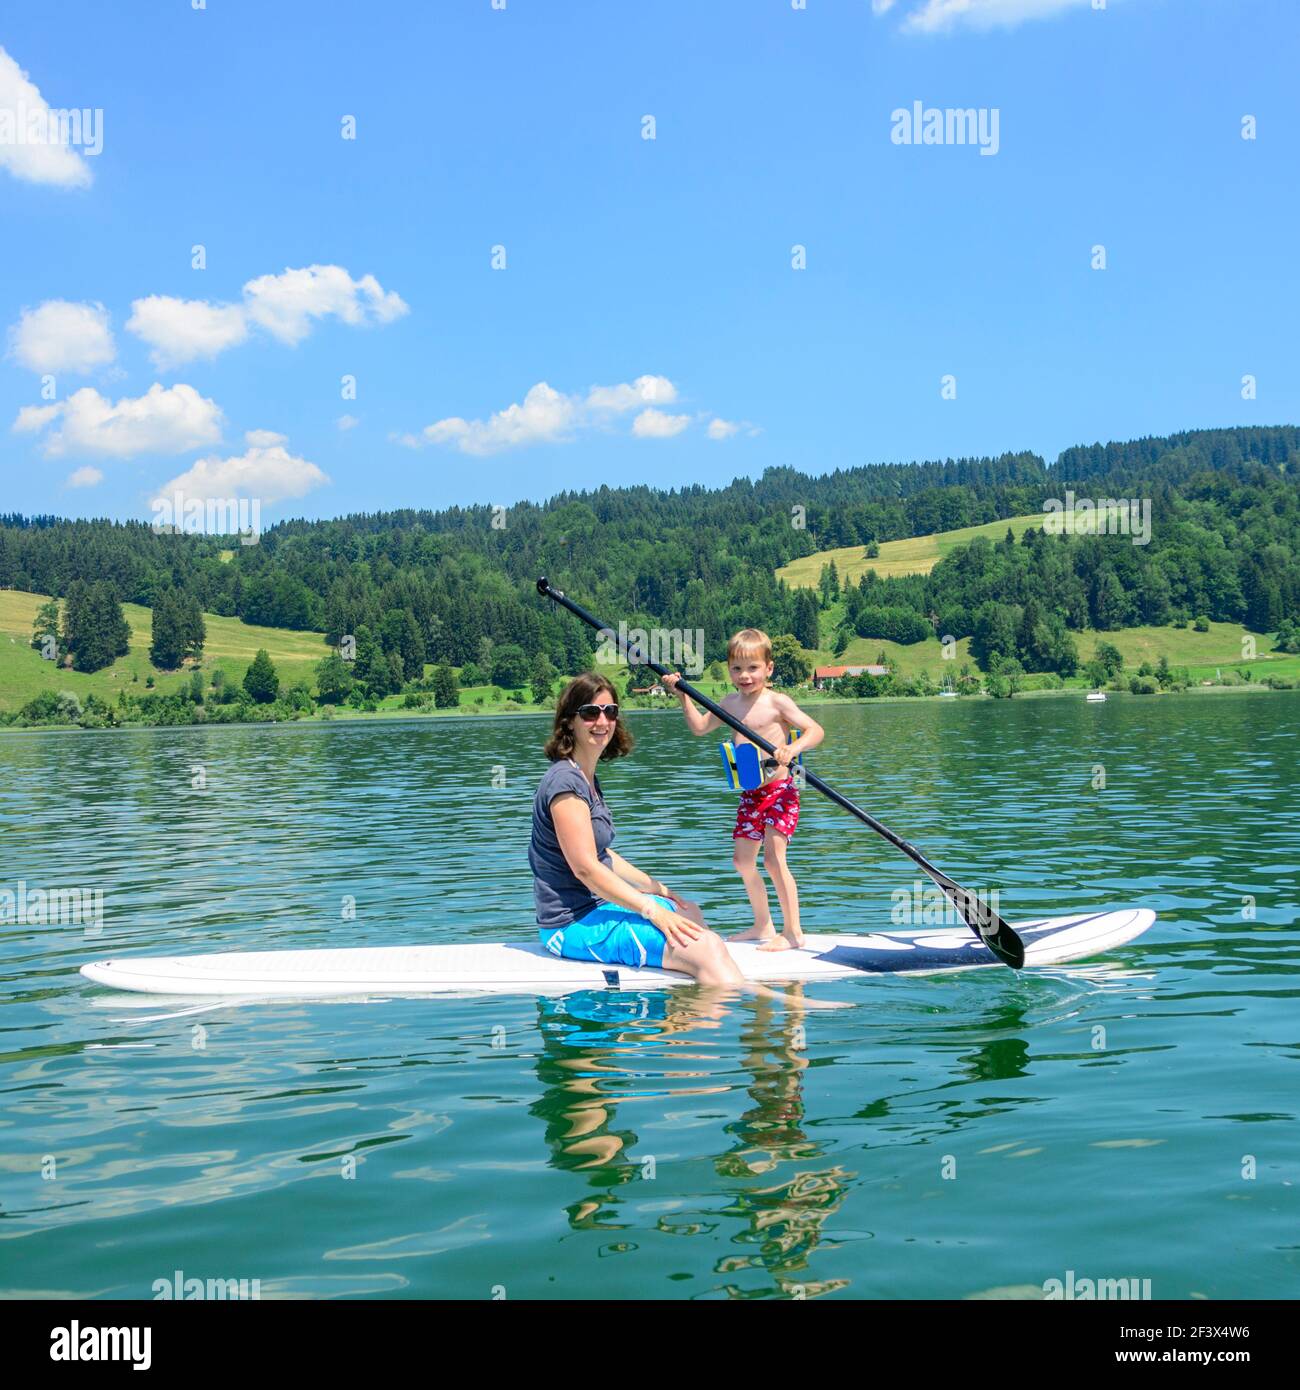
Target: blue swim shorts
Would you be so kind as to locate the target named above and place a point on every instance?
(610, 935)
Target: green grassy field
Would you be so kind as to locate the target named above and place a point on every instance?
(1203, 653)
(916, 555)
(1207, 655)
(902, 660)
(231, 645)
(1224, 644)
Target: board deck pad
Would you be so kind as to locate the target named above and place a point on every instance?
(526, 968)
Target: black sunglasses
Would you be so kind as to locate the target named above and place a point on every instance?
(593, 712)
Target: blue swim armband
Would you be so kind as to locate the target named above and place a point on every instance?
(743, 766)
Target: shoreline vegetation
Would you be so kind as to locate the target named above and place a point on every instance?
(238, 673)
(202, 694)
(1145, 567)
(398, 714)
(247, 674)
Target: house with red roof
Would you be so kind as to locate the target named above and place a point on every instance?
(826, 676)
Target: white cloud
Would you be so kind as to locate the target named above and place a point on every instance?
(25, 149)
(645, 390)
(944, 16)
(169, 421)
(654, 424)
(59, 336)
(268, 472)
(179, 330)
(85, 477)
(285, 305)
(718, 428)
(347, 422)
(264, 439)
(545, 417)
(35, 417)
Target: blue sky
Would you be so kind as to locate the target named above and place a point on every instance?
(648, 324)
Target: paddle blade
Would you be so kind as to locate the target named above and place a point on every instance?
(992, 930)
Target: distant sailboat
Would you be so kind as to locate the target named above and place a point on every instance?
(1096, 697)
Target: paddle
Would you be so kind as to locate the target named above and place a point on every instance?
(978, 916)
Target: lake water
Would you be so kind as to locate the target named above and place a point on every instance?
(945, 1137)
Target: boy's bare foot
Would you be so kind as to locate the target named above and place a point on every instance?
(767, 933)
(782, 943)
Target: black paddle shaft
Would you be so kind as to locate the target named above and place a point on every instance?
(996, 934)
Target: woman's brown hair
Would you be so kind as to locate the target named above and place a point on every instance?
(582, 690)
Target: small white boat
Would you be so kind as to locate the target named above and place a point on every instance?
(1096, 697)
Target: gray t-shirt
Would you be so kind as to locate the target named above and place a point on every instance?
(561, 897)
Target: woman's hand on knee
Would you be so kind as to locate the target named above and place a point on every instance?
(680, 931)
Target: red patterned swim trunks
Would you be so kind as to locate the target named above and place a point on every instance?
(775, 803)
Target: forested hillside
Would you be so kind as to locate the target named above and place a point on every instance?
(451, 586)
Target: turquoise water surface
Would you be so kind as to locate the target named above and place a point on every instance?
(945, 1137)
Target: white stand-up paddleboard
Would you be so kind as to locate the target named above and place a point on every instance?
(526, 968)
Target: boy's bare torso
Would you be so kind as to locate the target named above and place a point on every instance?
(762, 715)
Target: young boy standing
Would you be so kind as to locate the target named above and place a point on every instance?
(768, 813)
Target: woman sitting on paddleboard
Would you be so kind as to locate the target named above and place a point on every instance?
(592, 904)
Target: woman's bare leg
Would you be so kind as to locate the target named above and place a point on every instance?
(706, 959)
(708, 962)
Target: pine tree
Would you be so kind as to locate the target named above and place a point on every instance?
(261, 680)
(446, 690)
(411, 647)
(1264, 607)
(167, 647)
(805, 620)
(195, 628)
(1110, 604)
(95, 631)
(115, 623)
(829, 584)
(371, 668)
(542, 679)
(76, 605)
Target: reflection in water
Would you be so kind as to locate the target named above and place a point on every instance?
(783, 1218)
(734, 1148)
(597, 1046)
(585, 1035)
(778, 1187)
